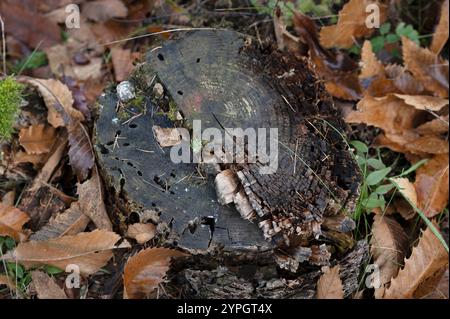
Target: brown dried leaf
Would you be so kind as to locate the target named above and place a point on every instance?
(146, 270)
(389, 243)
(439, 290)
(417, 144)
(122, 61)
(285, 40)
(70, 222)
(424, 102)
(4, 280)
(432, 185)
(427, 258)
(166, 137)
(351, 24)
(59, 102)
(103, 10)
(370, 65)
(46, 287)
(437, 126)
(427, 67)
(389, 113)
(407, 189)
(12, 221)
(37, 139)
(142, 233)
(81, 153)
(337, 69)
(92, 202)
(89, 251)
(440, 36)
(30, 27)
(329, 285)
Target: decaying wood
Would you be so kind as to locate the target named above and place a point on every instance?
(298, 215)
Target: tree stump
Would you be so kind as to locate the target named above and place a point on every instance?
(297, 217)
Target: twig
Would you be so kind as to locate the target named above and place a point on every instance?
(2, 24)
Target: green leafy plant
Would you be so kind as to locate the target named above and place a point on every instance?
(10, 99)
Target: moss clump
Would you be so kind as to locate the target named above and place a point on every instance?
(10, 98)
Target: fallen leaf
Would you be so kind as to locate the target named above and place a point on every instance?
(428, 257)
(23, 157)
(70, 222)
(337, 69)
(417, 144)
(437, 126)
(30, 27)
(370, 65)
(37, 139)
(351, 24)
(103, 10)
(166, 137)
(4, 280)
(440, 36)
(146, 270)
(424, 102)
(427, 67)
(89, 251)
(440, 290)
(329, 285)
(122, 61)
(46, 287)
(285, 40)
(431, 185)
(92, 203)
(403, 80)
(81, 153)
(142, 233)
(12, 221)
(388, 246)
(389, 113)
(407, 189)
(59, 101)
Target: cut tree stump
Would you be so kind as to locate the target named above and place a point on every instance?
(298, 215)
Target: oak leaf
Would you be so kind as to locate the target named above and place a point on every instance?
(146, 270)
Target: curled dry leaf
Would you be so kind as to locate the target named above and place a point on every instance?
(146, 270)
(81, 153)
(329, 285)
(12, 221)
(427, 258)
(37, 139)
(437, 126)
(431, 185)
(337, 69)
(427, 67)
(89, 251)
(424, 102)
(440, 36)
(142, 233)
(351, 24)
(103, 10)
(70, 222)
(285, 40)
(46, 287)
(91, 201)
(389, 244)
(59, 101)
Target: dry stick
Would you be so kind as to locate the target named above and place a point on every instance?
(2, 24)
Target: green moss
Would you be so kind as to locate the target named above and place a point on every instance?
(10, 98)
(172, 114)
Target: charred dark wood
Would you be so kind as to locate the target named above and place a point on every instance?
(297, 216)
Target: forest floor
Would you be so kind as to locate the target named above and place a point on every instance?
(390, 84)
